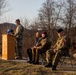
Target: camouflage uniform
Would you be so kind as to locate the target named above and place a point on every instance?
(19, 39)
(43, 45)
(62, 46)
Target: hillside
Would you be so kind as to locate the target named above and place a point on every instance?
(5, 26)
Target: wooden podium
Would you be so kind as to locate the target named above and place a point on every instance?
(8, 47)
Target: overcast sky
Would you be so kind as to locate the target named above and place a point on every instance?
(22, 9)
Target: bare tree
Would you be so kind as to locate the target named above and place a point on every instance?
(49, 15)
(54, 14)
(25, 23)
(70, 15)
(3, 5)
(46, 15)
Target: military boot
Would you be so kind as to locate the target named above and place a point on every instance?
(48, 65)
(53, 67)
(32, 61)
(37, 62)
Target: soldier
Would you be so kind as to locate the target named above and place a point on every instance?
(40, 48)
(29, 51)
(60, 49)
(19, 38)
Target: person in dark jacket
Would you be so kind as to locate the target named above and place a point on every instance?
(29, 50)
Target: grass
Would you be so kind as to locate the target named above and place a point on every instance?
(22, 68)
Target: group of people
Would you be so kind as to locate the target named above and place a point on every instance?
(42, 45)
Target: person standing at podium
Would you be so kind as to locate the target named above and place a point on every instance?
(19, 38)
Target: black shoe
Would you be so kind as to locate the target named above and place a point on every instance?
(36, 63)
(53, 67)
(48, 65)
(32, 61)
(28, 61)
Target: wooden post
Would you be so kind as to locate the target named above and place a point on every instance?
(8, 47)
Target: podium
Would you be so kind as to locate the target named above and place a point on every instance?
(8, 47)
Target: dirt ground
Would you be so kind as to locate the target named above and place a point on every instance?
(20, 67)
